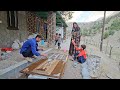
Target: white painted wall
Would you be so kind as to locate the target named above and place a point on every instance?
(60, 30)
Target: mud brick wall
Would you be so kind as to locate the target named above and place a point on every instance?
(64, 33)
(8, 36)
(42, 31)
(31, 22)
(51, 27)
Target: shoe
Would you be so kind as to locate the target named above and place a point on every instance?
(29, 59)
(72, 59)
(74, 66)
(34, 57)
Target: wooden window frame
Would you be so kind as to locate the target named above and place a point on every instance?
(12, 20)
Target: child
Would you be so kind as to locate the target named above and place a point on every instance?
(81, 56)
(56, 38)
(59, 41)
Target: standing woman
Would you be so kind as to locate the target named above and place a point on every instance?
(76, 35)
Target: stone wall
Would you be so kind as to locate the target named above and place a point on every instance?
(51, 27)
(64, 33)
(31, 22)
(8, 36)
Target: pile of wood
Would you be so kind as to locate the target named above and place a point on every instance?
(51, 67)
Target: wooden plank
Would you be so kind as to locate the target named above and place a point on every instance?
(64, 58)
(52, 55)
(56, 56)
(52, 66)
(49, 67)
(32, 66)
(56, 73)
(49, 55)
(63, 69)
(58, 69)
(39, 72)
(60, 56)
(41, 65)
(46, 51)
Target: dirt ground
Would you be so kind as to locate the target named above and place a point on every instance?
(109, 68)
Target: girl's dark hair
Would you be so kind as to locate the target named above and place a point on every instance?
(83, 46)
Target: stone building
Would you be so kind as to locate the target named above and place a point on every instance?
(12, 26)
(20, 24)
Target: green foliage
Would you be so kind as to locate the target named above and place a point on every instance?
(85, 32)
(95, 31)
(66, 14)
(105, 35)
(97, 25)
(90, 31)
(111, 32)
(115, 25)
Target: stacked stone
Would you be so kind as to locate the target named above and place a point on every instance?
(64, 33)
(31, 22)
(51, 27)
(94, 66)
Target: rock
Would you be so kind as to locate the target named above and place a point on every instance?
(109, 76)
(94, 65)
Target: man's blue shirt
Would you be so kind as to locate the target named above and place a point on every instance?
(31, 45)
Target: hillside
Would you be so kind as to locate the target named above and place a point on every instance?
(110, 55)
(91, 28)
(112, 24)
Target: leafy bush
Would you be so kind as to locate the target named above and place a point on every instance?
(85, 32)
(105, 35)
(111, 32)
(115, 25)
(117, 29)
